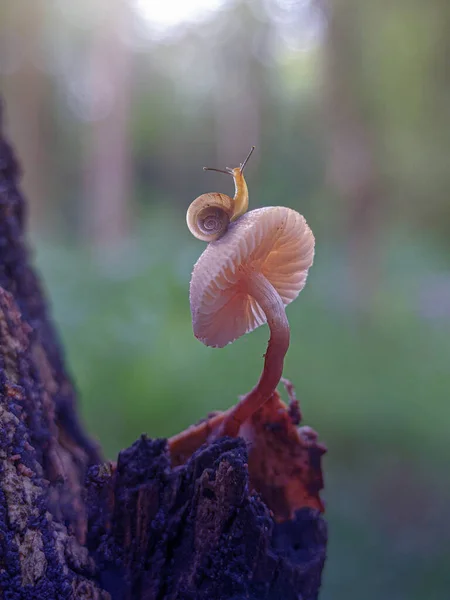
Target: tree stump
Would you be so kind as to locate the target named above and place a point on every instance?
(146, 527)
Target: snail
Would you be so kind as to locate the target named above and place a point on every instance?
(255, 264)
(209, 215)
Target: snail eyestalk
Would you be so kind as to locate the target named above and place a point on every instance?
(229, 171)
(246, 160)
(218, 170)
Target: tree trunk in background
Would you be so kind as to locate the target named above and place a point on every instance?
(107, 184)
(139, 530)
(353, 171)
(25, 83)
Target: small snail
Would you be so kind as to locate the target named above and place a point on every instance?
(209, 215)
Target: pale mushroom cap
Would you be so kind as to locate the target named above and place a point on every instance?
(275, 241)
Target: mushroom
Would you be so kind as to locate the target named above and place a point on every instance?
(251, 270)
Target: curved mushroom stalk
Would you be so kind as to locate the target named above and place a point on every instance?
(272, 305)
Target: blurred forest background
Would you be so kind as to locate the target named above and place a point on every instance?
(115, 106)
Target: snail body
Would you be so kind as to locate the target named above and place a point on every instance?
(241, 193)
(209, 215)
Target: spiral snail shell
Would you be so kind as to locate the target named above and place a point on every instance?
(209, 215)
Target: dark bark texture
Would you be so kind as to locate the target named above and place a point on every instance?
(196, 531)
(72, 527)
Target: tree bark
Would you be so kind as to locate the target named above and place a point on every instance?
(72, 527)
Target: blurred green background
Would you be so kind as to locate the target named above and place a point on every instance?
(115, 106)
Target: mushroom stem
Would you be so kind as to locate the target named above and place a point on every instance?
(269, 300)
